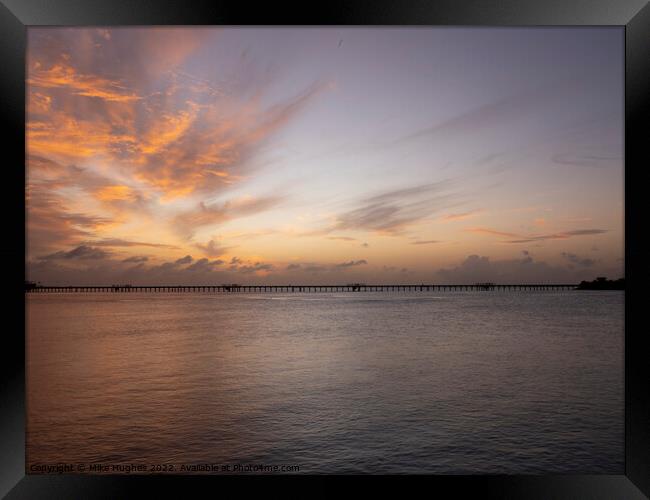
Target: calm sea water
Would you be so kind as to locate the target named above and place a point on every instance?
(474, 382)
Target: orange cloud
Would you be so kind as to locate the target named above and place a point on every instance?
(166, 129)
(114, 128)
(39, 102)
(62, 75)
(112, 193)
(65, 136)
(202, 147)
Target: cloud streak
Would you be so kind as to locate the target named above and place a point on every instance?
(424, 242)
(117, 242)
(534, 238)
(560, 236)
(219, 213)
(585, 160)
(393, 211)
(459, 216)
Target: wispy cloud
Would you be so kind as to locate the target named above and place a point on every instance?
(118, 242)
(424, 242)
(539, 237)
(487, 230)
(212, 248)
(586, 160)
(219, 213)
(483, 116)
(341, 238)
(460, 216)
(393, 211)
(503, 111)
(560, 236)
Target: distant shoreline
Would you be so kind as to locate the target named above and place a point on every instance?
(602, 284)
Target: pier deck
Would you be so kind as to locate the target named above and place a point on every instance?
(296, 288)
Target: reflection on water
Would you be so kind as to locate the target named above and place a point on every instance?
(478, 382)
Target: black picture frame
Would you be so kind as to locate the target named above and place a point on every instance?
(633, 15)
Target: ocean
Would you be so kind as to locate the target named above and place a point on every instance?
(488, 382)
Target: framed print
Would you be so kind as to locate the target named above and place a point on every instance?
(400, 240)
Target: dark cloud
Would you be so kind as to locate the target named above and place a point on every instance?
(477, 268)
(136, 259)
(184, 260)
(82, 252)
(204, 265)
(316, 267)
(352, 263)
(258, 266)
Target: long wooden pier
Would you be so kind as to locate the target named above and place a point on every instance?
(296, 288)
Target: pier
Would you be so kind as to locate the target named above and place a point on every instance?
(297, 288)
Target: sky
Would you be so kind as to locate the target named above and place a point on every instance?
(210, 155)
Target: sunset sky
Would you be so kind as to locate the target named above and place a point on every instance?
(328, 155)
